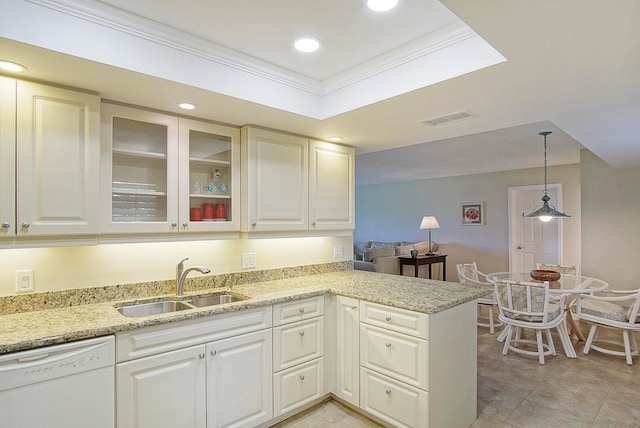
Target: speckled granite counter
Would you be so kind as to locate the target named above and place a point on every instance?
(19, 331)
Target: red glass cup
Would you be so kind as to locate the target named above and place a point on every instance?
(207, 211)
(219, 212)
(196, 214)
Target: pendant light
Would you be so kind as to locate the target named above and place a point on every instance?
(545, 212)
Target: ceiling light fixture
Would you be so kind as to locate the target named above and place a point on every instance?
(11, 66)
(545, 212)
(335, 139)
(306, 44)
(381, 5)
(187, 106)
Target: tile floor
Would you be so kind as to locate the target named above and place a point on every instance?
(594, 390)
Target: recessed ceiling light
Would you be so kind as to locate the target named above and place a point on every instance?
(306, 44)
(335, 139)
(12, 66)
(381, 5)
(187, 106)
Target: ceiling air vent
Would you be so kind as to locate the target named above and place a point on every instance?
(451, 117)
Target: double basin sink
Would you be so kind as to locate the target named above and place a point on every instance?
(168, 306)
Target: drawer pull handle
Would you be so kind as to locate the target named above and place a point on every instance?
(201, 355)
(26, 225)
(388, 319)
(387, 391)
(388, 345)
(213, 353)
(301, 377)
(354, 307)
(302, 333)
(6, 225)
(301, 310)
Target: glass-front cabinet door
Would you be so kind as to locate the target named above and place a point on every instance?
(209, 177)
(140, 165)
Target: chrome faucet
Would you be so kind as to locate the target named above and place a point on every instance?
(181, 274)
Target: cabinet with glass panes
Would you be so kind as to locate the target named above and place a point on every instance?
(158, 167)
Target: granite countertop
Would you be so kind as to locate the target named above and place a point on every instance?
(26, 330)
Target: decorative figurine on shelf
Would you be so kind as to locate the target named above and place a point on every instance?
(414, 254)
(216, 176)
(210, 187)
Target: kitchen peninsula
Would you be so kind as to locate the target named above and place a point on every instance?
(426, 328)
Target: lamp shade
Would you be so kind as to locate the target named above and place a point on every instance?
(429, 222)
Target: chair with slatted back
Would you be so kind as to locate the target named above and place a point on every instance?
(562, 269)
(469, 274)
(529, 305)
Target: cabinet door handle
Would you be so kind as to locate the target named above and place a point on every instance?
(26, 225)
(185, 224)
(6, 225)
(254, 224)
(301, 310)
(302, 333)
(388, 319)
(354, 307)
(313, 224)
(387, 391)
(174, 224)
(301, 377)
(388, 345)
(213, 353)
(201, 355)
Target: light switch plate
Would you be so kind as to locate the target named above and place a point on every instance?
(248, 260)
(24, 280)
(338, 252)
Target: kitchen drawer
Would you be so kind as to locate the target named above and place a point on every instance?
(298, 386)
(284, 313)
(298, 342)
(394, 402)
(166, 337)
(400, 320)
(405, 358)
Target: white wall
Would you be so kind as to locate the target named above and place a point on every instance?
(610, 222)
(392, 212)
(90, 266)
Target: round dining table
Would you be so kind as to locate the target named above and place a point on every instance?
(570, 285)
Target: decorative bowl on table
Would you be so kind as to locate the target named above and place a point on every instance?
(545, 275)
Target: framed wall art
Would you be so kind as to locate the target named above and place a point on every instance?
(473, 214)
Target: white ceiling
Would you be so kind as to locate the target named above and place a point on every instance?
(572, 68)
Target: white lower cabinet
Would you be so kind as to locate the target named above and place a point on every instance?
(210, 372)
(298, 354)
(392, 401)
(239, 381)
(165, 390)
(412, 369)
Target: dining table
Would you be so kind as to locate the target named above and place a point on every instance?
(569, 285)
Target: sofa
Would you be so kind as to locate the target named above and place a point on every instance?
(382, 257)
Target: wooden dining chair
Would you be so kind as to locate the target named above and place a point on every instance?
(469, 274)
(529, 305)
(563, 269)
(615, 309)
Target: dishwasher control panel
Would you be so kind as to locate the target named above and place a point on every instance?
(39, 365)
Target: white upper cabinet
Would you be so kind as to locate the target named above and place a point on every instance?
(139, 170)
(275, 181)
(7, 157)
(57, 160)
(209, 176)
(331, 186)
(293, 184)
(157, 169)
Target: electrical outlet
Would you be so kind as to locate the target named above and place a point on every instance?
(338, 253)
(248, 260)
(24, 280)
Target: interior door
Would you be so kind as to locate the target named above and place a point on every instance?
(532, 241)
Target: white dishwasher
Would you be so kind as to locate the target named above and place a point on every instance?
(61, 386)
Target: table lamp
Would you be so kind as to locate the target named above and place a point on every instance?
(429, 222)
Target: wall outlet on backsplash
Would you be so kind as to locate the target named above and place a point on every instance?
(338, 252)
(24, 280)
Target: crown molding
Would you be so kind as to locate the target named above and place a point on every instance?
(135, 25)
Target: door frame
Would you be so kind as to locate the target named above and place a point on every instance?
(512, 190)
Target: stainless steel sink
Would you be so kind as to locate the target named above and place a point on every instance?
(153, 308)
(216, 299)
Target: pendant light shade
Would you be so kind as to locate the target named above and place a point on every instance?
(545, 212)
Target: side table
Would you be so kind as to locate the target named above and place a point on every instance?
(424, 260)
